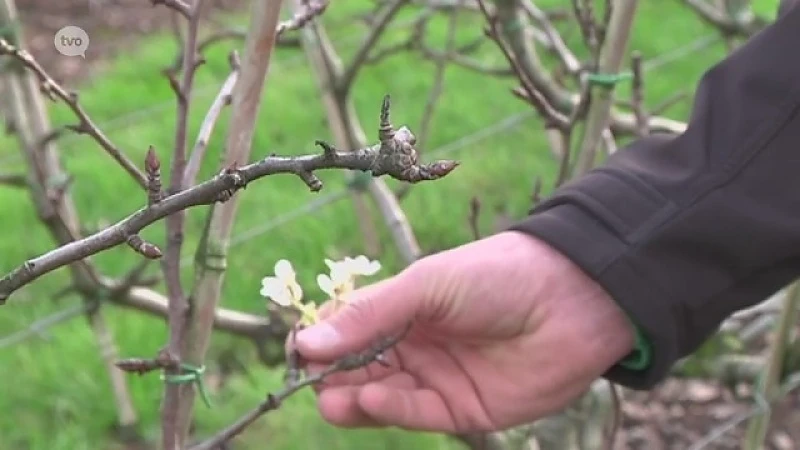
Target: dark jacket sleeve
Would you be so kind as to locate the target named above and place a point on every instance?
(683, 231)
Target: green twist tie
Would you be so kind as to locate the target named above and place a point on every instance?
(360, 180)
(193, 375)
(608, 80)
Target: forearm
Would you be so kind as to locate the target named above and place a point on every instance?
(683, 231)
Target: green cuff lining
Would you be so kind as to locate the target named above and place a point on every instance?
(642, 354)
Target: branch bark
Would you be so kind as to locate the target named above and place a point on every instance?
(379, 159)
(54, 205)
(171, 433)
(612, 54)
(212, 252)
(347, 129)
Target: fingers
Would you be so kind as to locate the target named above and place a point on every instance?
(339, 405)
(395, 401)
(371, 313)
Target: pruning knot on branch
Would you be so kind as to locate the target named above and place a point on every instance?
(395, 154)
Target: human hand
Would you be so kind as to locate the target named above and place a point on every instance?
(505, 331)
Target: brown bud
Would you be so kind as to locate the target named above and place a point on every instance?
(143, 247)
(152, 164)
(443, 167)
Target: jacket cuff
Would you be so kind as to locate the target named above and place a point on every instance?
(603, 255)
(642, 354)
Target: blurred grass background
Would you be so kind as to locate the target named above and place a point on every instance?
(55, 392)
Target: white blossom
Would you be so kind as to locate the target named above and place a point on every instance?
(343, 274)
(283, 288)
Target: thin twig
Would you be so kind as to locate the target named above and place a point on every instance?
(552, 117)
(274, 400)
(345, 82)
(86, 125)
(13, 180)
(222, 99)
(637, 98)
(438, 80)
(474, 217)
(178, 5)
(310, 11)
(745, 26)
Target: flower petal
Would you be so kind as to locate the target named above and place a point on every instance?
(341, 274)
(276, 291)
(269, 282)
(361, 265)
(284, 270)
(326, 284)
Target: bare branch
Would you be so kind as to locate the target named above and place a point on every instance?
(730, 25)
(13, 179)
(396, 159)
(669, 102)
(86, 126)
(474, 216)
(222, 99)
(463, 61)
(274, 400)
(255, 328)
(609, 64)
(180, 6)
(310, 11)
(211, 255)
(552, 117)
(229, 34)
(172, 433)
(557, 44)
(438, 80)
(349, 133)
(637, 100)
(345, 82)
(769, 387)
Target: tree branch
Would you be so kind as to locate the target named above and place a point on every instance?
(13, 179)
(609, 63)
(86, 125)
(222, 99)
(172, 435)
(274, 401)
(394, 158)
(345, 82)
(180, 6)
(211, 255)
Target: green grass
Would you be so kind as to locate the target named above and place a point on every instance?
(55, 393)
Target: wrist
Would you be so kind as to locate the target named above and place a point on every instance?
(584, 307)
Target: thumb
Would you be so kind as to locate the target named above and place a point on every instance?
(370, 313)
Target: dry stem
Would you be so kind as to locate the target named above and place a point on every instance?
(86, 125)
(274, 400)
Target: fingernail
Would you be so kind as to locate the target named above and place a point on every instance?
(318, 337)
